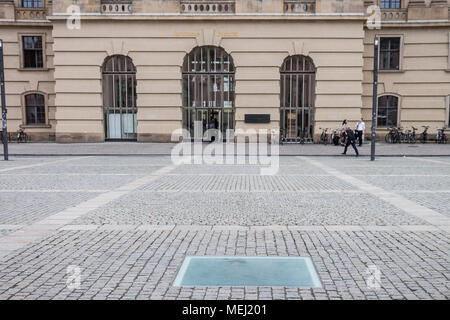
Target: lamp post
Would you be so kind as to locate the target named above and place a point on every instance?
(374, 99)
(2, 93)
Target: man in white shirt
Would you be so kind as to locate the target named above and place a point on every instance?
(360, 128)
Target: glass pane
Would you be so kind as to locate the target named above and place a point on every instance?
(395, 43)
(394, 60)
(185, 90)
(108, 91)
(295, 90)
(40, 114)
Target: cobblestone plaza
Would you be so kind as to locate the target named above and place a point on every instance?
(128, 222)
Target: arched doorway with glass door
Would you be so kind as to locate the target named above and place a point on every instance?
(119, 98)
(208, 92)
(297, 99)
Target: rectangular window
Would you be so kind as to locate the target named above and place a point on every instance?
(31, 3)
(448, 111)
(390, 4)
(390, 53)
(35, 108)
(32, 52)
(387, 114)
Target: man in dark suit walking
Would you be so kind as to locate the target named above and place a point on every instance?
(351, 140)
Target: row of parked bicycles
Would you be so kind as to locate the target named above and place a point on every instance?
(336, 137)
(397, 135)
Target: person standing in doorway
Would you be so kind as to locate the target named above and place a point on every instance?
(360, 129)
(351, 140)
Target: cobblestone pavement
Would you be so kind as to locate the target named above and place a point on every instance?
(128, 223)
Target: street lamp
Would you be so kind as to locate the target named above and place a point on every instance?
(374, 98)
(2, 93)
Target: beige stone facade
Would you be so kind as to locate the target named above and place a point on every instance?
(258, 36)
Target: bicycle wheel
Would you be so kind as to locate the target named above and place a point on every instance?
(388, 138)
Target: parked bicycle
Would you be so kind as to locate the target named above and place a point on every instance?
(441, 136)
(409, 136)
(393, 136)
(21, 135)
(324, 136)
(335, 137)
(424, 134)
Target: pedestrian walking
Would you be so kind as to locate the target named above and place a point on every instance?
(343, 127)
(351, 140)
(360, 129)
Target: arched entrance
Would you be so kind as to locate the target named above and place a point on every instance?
(208, 91)
(297, 99)
(119, 98)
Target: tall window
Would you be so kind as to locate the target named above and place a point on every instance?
(390, 53)
(32, 52)
(208, 91)
(387, 111)
(35, 108)
(119, 98)
(448, 111)
(390, 4)
(297, 99)
(31, 3)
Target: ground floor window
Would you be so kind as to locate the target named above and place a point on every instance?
(119, 98)
(208, 93)
(387, 115)
(448, 111)
(297, 99)
(35, 109)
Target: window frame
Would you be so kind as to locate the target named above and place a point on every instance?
(399, 101)
(448, 62)
(447, 114)
(400, 54)
(22, 55)
(24, 110)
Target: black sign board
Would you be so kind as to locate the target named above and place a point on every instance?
(257, 118)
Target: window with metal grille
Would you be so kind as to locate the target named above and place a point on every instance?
(297, 99)
(390, 53)
(448, 111)
(208, 89)
(31, 3)
(32, 52)
(391, 4)
(387, 111)
(35, 108)
(119, 97)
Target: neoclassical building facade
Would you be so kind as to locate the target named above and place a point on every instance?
(96, 70)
